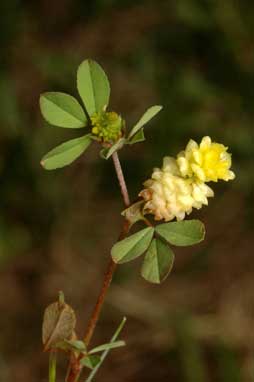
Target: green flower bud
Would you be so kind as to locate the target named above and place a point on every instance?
(107, 126)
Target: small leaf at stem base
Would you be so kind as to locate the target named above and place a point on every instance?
(58, 324)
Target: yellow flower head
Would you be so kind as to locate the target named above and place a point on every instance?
(168, 195)
(207, 162)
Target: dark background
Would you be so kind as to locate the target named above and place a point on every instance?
(194, 57)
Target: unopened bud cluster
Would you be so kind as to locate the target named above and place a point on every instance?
(107, 126)
(180, 185)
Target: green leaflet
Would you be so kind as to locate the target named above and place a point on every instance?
(158, 262)
(65, 153)
(108, 346)
(90, 361)
(93, 86)
(105, 353)
(138, 137)
(182, 233)
(133, 246)
(63, 110)
(149, 114)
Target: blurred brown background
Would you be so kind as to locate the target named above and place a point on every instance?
(56, 228)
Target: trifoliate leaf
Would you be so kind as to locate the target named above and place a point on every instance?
(63, 110)
(149, 114)
(138, 137)
(158, 262)
(133, 246)
(90, 361)
(58, 324)
(108, 346)
(93, 86)
(182, 233)
(65, 153)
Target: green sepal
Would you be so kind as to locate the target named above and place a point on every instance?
(138, 137)
(63, 110)
(106, 152)
(158, 262)
(182, 233)
(149, 114)
(65, 153)
(90, 361)
(107, 346)
(93, 86)
(133, 246)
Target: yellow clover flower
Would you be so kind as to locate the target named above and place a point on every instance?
(208, 161)
(168, 195)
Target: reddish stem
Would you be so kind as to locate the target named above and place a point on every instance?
(75, 367)
(106, 283)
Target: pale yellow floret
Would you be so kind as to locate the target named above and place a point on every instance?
(168, 195)
(208, 161)
(180, 185)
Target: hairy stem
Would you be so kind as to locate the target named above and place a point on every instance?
(75, 371)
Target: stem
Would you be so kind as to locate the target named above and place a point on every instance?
(74, 375)
(111, 266)
(119, 173)
(97, 309)
(106, 284)
(52, 366)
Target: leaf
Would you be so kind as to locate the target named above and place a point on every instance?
(182, 233)
(133, 246)
(158, 262)
(58, 324)
(105, 353)
(63, 110)
(90, 361)
(107, 152)
(93, 86)
(138, 137)
(109, 346)
(65, 153)
(149, 114)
